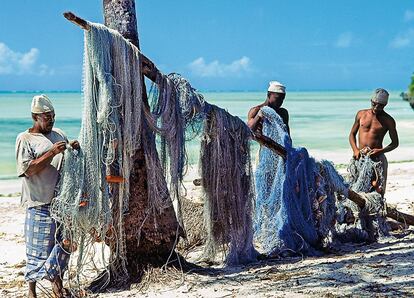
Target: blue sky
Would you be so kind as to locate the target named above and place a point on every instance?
(222, 45)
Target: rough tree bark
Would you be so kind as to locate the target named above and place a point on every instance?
(155, 241)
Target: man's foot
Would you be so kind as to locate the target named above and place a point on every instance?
(32, 290)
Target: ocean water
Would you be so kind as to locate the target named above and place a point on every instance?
(319, 121)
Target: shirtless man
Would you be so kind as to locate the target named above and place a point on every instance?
(275, 95)
(372, 125)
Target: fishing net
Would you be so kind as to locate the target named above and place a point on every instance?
(115, 123)
(224, 153)
(366, 224)
(227, 182)
(295, 204)
(167, 121)
(194, 108)
(87, 207)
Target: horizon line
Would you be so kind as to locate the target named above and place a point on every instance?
(201, 91)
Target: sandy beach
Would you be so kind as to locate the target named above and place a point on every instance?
(376, 270)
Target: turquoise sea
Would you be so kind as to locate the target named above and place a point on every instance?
(319, 121)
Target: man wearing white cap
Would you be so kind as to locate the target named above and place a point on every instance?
(372, 125)
(39, 153)
(275, 96)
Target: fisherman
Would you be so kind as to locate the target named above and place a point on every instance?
(39, 153)
(372, 125)
(275, 96)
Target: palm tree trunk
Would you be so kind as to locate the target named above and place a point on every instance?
(158, 233)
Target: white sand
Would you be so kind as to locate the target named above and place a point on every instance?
(380, 269)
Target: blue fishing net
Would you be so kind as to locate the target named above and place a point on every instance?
(295, 203)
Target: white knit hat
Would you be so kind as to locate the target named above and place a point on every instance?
(41, 104)
(275, 86)
(380, 96)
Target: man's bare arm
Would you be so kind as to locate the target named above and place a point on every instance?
(394, 137)
(392, 129)
(254, 118)
(40, 163)
(352, 136)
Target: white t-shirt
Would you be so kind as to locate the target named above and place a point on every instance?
(39, 188)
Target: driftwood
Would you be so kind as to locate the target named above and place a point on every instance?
(392, 212)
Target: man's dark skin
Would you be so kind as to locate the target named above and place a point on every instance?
(43, 123)
(372, 125)
(275, 101)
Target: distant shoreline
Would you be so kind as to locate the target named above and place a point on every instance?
(207, 91)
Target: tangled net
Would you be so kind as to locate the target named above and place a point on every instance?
(115, 123)
(366, 224)
(295, 204)
(109, 136)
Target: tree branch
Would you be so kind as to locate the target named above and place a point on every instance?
(151, 71)
(392, 212)
(272, 145)
(148, 67)
(76, 20)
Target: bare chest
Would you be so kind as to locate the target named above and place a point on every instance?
(372, 124)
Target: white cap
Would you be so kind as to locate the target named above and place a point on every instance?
(275, 86)
(41, 104)
(380, 96)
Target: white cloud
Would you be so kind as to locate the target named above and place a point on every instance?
(344, 40)
(408, 15)
(12, 62)
(216, 69)
(403, 40)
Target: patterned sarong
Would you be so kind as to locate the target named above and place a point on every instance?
(46, 258)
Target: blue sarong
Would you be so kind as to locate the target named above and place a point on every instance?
(46, 258)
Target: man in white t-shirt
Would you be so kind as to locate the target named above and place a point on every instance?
(39, 154)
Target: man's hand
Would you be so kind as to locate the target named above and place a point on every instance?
(375, 152)
(357, 154)
(58, 147)
(74, 144)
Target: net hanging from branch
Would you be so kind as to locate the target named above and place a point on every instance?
(114, 124)
(110, 134)
(227, 180)
(295, 204)
(224, 153)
